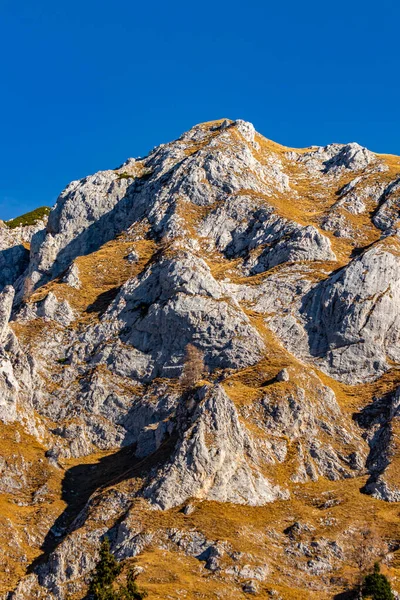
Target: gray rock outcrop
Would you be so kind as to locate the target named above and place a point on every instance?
(353, 318)
(380, 422)
(14, 251)
(71, 277)
(210, 459)
(175, 303)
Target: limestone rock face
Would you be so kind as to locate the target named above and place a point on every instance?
(380, 421)
(334, 158)
(14, 254)
(243, 224)
(281, 268)
(6, 303)
(71, 277)
(49, 309)
(353, 318)
(175, 303)
(213, 459)
(352, 156)
(15, 371)
(79, 223)
(387, 214)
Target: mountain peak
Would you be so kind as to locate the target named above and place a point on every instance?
(269, 278)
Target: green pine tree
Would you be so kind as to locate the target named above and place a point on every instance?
(107, 570)
(131, 591)
(377, 586)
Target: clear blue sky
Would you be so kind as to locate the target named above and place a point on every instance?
(86, 84)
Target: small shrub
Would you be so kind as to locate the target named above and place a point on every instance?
(131, 590)
(125, 176)
(106, 571)
(103, 580)
(193, 368)
(377, 586)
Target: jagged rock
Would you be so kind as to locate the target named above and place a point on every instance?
(225, 123)
(132, 257)
(55, 575)
(387, 214)
(246, 129)
(359, 196)
(15, 370)
(283, 375)
(304, 421)
(257, 573)
(251, 587)
(351, 156)
(334, 158)
(29, 588)
(14, 255)
(6, 303)
(71, 277)
(338, 224)
(188, 509)
(13, 262)
(380, 421)
(209, 460)
(305, 244)
(49, 309)
(94, 210)
(238, 228)
(80, 222)
(150, 439)
(178, 302)
(353, 318)
(297, 529)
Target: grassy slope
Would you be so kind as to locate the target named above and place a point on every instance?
(29, 218)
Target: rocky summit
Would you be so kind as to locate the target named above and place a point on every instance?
(249, 467)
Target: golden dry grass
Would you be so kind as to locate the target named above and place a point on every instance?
(20, 519)
(258, 532)
(99, 272)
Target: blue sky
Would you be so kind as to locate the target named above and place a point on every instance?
(86, 84)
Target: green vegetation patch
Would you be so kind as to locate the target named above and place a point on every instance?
(30, 218)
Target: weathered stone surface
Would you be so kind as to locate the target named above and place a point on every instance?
(244, 223)
(6, 303)
(14, 255)
(210, 459)
(351, 156)
(178, 302)
(71, 277)
(387, 214)
(283, 375)
(311, 419)
(380, 421)
(79, 223)
(251, 587)
(334, 158)
(49, 309)
(353, 318)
